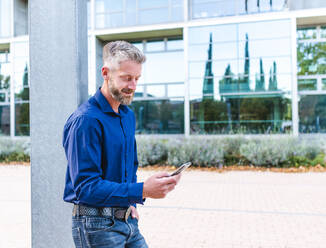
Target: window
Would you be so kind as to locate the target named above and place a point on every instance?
(159, 98)
(240, 78)
(21, 17)
(5, 18)
(311, 64)
(312, 114)
(215, 8)
(20, 53)
(112, 13)
(5, 68)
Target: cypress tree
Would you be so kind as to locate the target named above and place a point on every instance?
(244, 85)
(260, 84)
(208, 85)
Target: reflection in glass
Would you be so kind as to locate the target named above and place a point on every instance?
(112, 13)
(323, 81)
(5, 18)
(131, 17)
(266, 48)
(225, 50)
(265, 30)
(5, 69)
(155, 91)
(160, 116)
(163, 67)
(20, 17)
(212, 8)
(307, 84)
(323, 32)
(312, 114)
(22, 119)
(221, 33)
(283, 65)
(116, 19)
(22, 86)
(177, 13)
(4, 120)
(307, 33)
(152, 16)
(139, 91)
(155, 46)
(176, 90)
(247, 114)
(131, 4)
(139, 45)
(197, 69)
(100, 21)
(148, 4)
(242, 66)
(311, 58)
(111, 5)
(175, 45)
(21, 49)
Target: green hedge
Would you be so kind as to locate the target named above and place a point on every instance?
(14, 150)
(267, 151)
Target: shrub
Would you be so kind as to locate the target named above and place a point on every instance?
(320, 159)
(206, 151)
(231, 147)
(151, 151)
(285, 151)
(201, 152)
(269, 151)
(14, 150)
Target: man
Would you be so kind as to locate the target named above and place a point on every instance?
(100, 146)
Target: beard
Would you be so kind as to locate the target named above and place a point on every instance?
(118, 94)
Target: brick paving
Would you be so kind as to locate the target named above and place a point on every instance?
(239, 209)
(207, 209)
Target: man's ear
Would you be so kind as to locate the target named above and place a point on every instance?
(105, 73)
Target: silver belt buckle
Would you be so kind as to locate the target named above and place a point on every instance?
(127, 213)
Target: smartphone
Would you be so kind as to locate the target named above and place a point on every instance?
(181, 169)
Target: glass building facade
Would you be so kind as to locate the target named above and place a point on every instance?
(262, 71)
(217, 8)
(159, 98)
(311, 63)
(240, 78)
(112, 13)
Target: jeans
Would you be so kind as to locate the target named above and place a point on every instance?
(106, 232)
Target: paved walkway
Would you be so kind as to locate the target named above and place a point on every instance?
(207, 209)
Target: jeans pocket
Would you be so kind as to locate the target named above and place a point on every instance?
(77, 237)
(102, 232)
(98, 224)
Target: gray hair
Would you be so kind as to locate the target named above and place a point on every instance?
(116, 52)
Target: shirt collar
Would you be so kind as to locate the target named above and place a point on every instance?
(105, 105)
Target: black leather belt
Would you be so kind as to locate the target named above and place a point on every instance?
(119, 213)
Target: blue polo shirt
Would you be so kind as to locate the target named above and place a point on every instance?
(101, 151)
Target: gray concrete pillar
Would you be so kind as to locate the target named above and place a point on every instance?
(58, 76)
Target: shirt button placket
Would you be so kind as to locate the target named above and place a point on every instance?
(125, 148)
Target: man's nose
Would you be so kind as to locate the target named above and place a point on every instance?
(133, 84)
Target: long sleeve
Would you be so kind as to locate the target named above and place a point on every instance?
(83, 146)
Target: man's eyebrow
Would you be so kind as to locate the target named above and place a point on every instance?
(129, 75)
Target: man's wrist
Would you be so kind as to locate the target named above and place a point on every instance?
(145, 195)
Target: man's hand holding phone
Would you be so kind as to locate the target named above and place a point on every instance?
(181, 169)
(160, 184)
